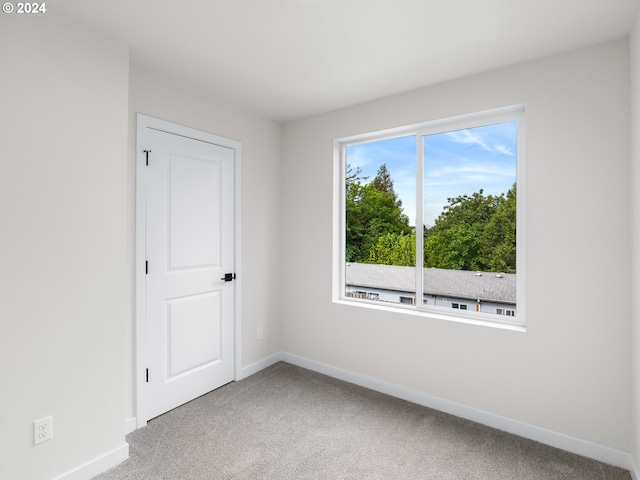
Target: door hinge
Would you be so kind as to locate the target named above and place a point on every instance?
(147, 375)
(146, 267)
(147, 152)
(228, 277)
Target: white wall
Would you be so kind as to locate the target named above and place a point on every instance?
(154, 94)
(63, 130)
(68, 238)
(635, 184)
(570, 371)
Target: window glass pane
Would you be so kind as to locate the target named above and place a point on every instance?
(380, 206)
(469, 216)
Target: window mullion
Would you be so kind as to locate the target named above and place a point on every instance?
(419, 219)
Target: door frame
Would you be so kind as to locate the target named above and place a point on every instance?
(145, 122)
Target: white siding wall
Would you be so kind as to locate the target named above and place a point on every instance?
(570, 371)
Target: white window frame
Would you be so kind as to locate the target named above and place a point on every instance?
(479, 119)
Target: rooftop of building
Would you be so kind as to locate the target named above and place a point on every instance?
(483, 286)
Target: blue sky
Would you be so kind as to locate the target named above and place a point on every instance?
(456, 163)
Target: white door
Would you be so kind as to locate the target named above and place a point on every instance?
(189, 250)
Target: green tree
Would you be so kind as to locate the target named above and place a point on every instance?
(383, 182)
(473, 232)
(498, 250)
(454, 242)
(394, 249)
(355, 221)
(354, 227)
(352, 176)
(372, 210)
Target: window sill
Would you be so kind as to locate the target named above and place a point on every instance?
(411, 310)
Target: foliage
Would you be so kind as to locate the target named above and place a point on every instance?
(498, 251)
(473, 232)
(373, 210)
(394, 249)
(454, 242)
(383, 182)
(353, 177)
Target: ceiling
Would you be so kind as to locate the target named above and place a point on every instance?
(289, 59)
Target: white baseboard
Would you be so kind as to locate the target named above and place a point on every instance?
(99, 465)
(579, 446)
(130, 425)
(633, 470)
(256, 367)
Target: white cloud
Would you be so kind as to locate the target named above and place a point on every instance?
(504, 149)
(464, 173)
(468, 138)
(359, 158)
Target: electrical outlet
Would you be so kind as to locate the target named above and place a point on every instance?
(259, 333)
(42, 430)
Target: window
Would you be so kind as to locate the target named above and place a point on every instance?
(457, 182)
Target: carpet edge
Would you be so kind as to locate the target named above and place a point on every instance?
(586, 448)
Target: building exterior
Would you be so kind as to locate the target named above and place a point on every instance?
(486, 292)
